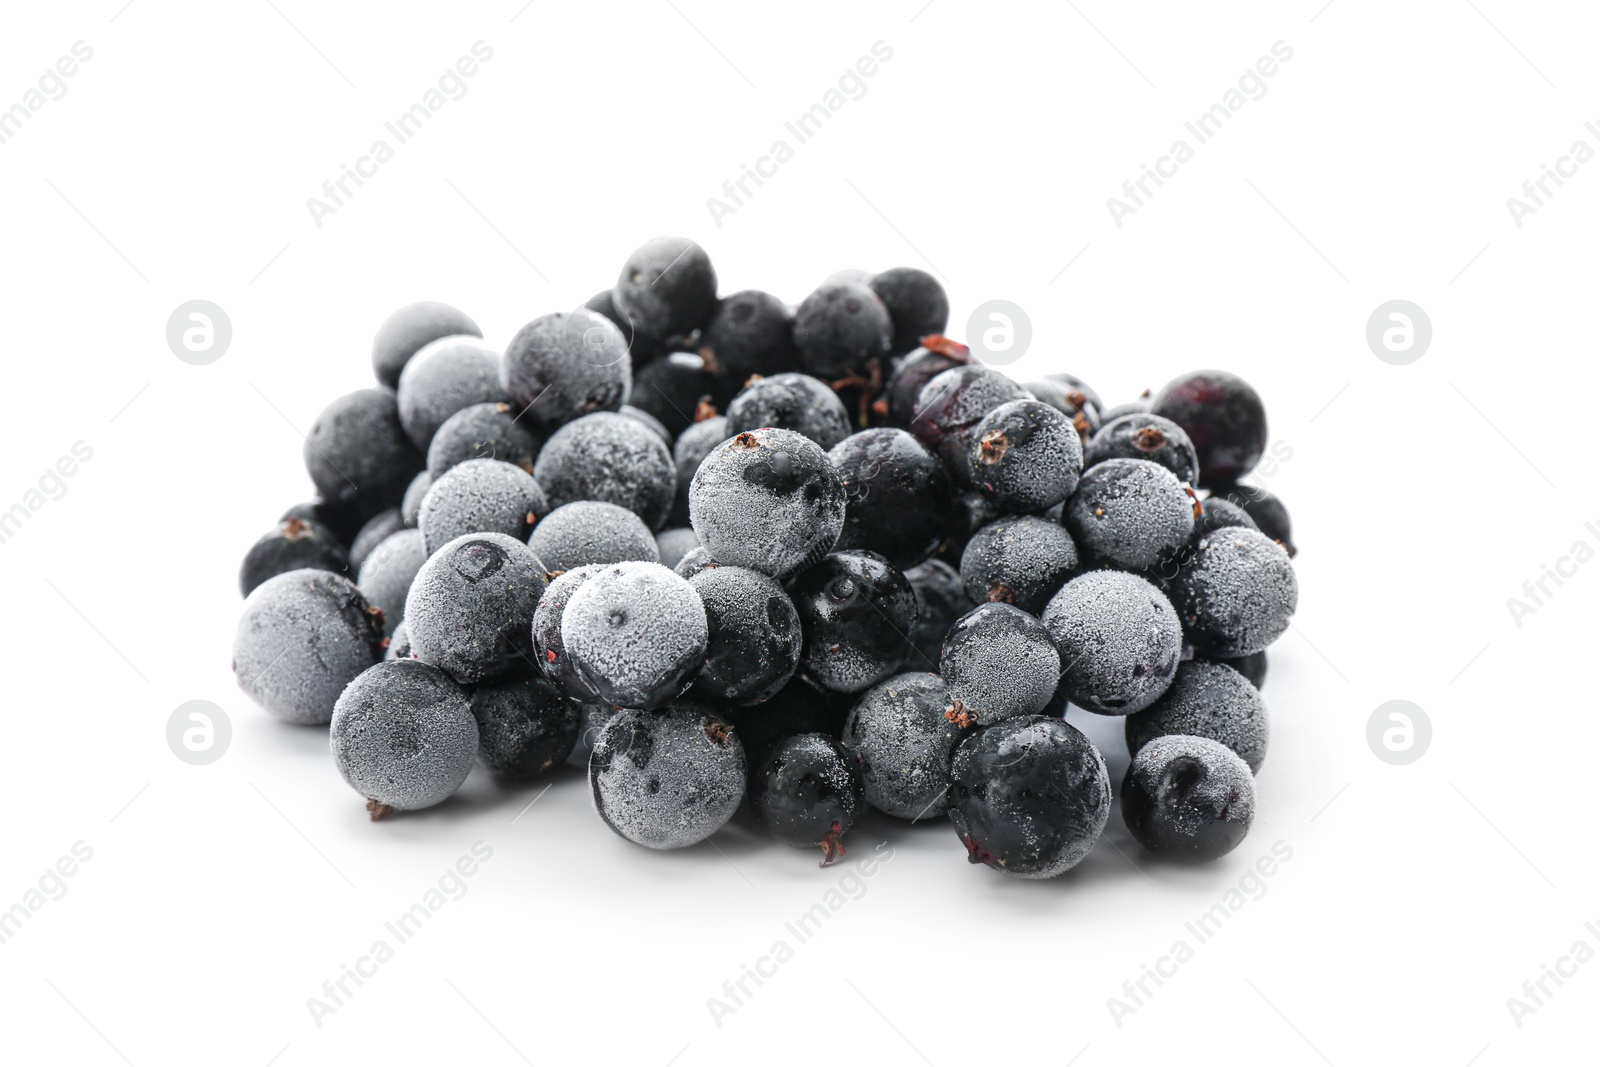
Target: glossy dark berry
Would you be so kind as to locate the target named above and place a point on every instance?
(1029, 796)
(840, 329)
(372, 534)
(795, 402)
(1119, 641)
(358, 455)
(1219, 513)
(807, 790)
(675, 389)
(403, 736)
(1131, 514)
(998, 661)
(1253, 667)
(950, 407)
(667, 288)
(482, 431)
(753, 636)
(1072, 403)
(1148, 437)
(609, 457)
(295, 544)
(440, 380)
(898, 497)
(750, 333)
(1223, 416)
(941, 600)
(1025, 456)
(636, 633)
(316, 632)
(857, 611)
(937, 355)
(974, 510)
(801, 707)
(1210, 700)
(1020, 560)
(386, 576)
(1236, 593)
(549, 650)
(1188, 798)
(1269, 513)
(344, 520)
(769, 500)
(566, 365)
(480, 496)
(669, 778)
(405, 332)
(525, 726)
(900, 731)
(591, 531)
(917, 305)
(470, 608)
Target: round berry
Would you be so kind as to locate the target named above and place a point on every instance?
(900, 731)
(941, 600)
(591, 531)
(403, 736)
(408, 330)
(916, 303)
(411, 504)
(1188, 798)
(1070, 402)
(440, 380)
(801, 707)
(482, 431)
(937, 355)
(357, 454)
(296, 544)
(950, 407)
(669, 778)
(1020, 560)
(750, 333)
(1206, 699)
(386, 576)
(688, 451)
(753, 636)
(1029, 796)
(376, 530)
(675, 389)
(480, 496)
(998, 661)
(667, 288)
(1145, 436)
(549, 650)
(1270, 516)
(525, 726)
(807, 790)
(1236, 593)
(694, 561)
(1025, 455)
(303, 636)
(650, 422)
(767, 499)
(840, 329)
(636, 633)
(672, 545)
(470, 607)
(1223, 416)
(612, 458)
(856, 610)
(898, 497)
(1219, 513)
(1130, 514)
(1253, 667)
(795, 402)
(642, 350)
(1119, 641)
(565, 365)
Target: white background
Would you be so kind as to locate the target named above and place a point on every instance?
(1376, 166)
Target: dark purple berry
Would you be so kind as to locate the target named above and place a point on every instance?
(1119, 641)
(1223, 416)
(840, 330)
(998, 661)
(408, 330)
(1148, 437)
(900, 731)
(669, 778)
(899, 499)
(807, 790)
(753, 636)
(525, 726)
(1236, 593)
(294, 545)
(917, 305)
(1131, 514)
(750, 333)
(482, 431)
(769, 500)
(566, 365)
(1270, 516)
(609, 457)
(857, 611)
(950, 407)
(1025, 455)
(795, 402)
(1021, 560)
(667, 288)
(358, 455)
(1206, 699)
(1188, 798)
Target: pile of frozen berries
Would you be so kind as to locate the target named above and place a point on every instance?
(730, 554)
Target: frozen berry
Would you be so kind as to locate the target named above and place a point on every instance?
(642, 350)
(591, 531)
(916, 303)
(480, 496)
(667, 288)
(405, 332)
(998, 661)
(1270, 516)
(795, 402)
(470, 608)
(1206, 699)
(1253, 667)
(801, 707)
(636, 633)
(386, 577)
(411, 503)
(1130, 514)
(1070, 402)
(1025, 456)
(973, 511)
(941, 600)
(357, 454)
(900, 731)
(1020, 560)
(1078, 392)
(1223, 416)
(1219, 513)
(295, 544)
(549, 650)
(1188, 798)
(1148, 437)
(343, 520)
(403, 736)
(482, 431)
(898, 497)
(672, 545)
(399, 643)
(592, 719)
(669, 778)
(753, 636)
(1029, 796)
(807, 790)
(750, 333)
(1236, 594)
(1119, 641)
(440, 380)
(767, 499)
(675, 389)
(373, 533)
(653, 424)
(612, 458)
(857, 611)
(840, 329)
(950, 407)
(303, 636)
(694, 561)
(691, 447)
(525, 726)
(565, 365)
(937, 355)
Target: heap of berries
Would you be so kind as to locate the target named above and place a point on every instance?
(733, 555)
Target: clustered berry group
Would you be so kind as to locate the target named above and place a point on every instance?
(730, 553)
